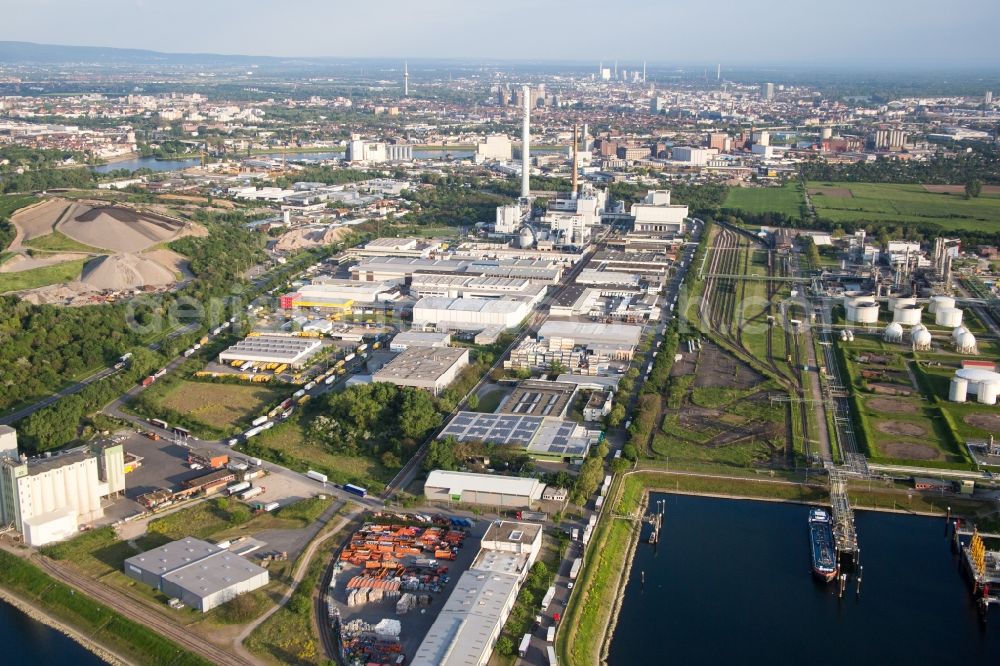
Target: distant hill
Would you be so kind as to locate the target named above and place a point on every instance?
(29, 52)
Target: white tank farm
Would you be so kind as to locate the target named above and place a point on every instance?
(980, 382)
(901, 301)
(908, 315)
(893, 332)
(865, 312)
(950, 317)
(940, 303)
(921, 339)
(959, 389)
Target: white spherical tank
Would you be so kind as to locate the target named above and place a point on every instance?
(959, 389)
(950, 317)
(988, 393)
(921, 339)
(958, 332)
(901, 301)
(863, 313)
(526, 237)
(893, 332)
(939, 303)
(908, 315)
(966, 343)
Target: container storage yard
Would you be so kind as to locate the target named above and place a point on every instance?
(390, 580)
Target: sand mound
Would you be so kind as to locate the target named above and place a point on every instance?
(125, 271)
(22, 262)
(299, 239)
(178, 263)
(117, 228)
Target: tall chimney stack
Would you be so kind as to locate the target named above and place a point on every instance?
(525, 142)
(576, 148)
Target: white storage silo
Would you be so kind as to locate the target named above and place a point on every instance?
(959, 389)
(908, 315)
(950, 317)
(940, 302)
(988, 393)
(865, 313)
(893, 332)
(921, 339)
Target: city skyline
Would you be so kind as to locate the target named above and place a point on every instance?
(885, 35)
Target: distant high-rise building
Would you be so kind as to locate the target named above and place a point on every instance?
(717, 140)
(658, 104)
(767, 91)
(605, 74)
(718, 72)
(406, 79)
(988, 98)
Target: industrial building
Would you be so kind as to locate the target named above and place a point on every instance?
(406, 339)
(544, 437)
(294, 351)
(512, 492)
(398, 247)
(469, 314)
(48, 499)
(402, 269)
(430, 368)
(338, 294)
(538, 397)
(656, 216)
(470, 621)
(478, 286)
(496, 147)
(617, 341)
(200, 574)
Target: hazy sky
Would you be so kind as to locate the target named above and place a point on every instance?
(876, 32)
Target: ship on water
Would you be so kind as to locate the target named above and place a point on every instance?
(822, 546)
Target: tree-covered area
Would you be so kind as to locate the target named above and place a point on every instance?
(452, 205)
(378, 420)
(982, 163)
(169, 149)
(222, 256)
(14, 157)
(48, 179)
(7, 234)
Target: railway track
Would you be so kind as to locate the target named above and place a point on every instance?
(138, 612)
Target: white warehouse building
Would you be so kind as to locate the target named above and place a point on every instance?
(294, 351)
(511, 492)
(469, 313)
(200, 574)
(429, 368)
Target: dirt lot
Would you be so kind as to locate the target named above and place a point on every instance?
(220, 405)
(901, 428)
(835, 192)
(960, 189)
(37, 220)
(984, 421)
(892, 406)
(718, 368)
(909, 450)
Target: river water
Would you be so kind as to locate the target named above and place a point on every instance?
(27, 642)
(730, 583)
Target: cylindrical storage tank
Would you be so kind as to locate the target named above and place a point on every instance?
(959, 389)
(988, 393)
(950, 317)
(908, 315)
(901, 301)
(922, 339)
(862, 313)
(940, 303)
(893, 332)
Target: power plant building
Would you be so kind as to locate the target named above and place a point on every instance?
(48, 499)
(656, 216)
(200, 574)
(496, 147)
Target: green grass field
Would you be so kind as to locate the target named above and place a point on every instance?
(904, 203)
(787, 199)
(11, 202)
(220, 405)
(41, 277)
(59, 242)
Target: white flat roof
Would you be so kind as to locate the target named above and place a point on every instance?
(584, 332)
(458, 482)
(469, 304)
